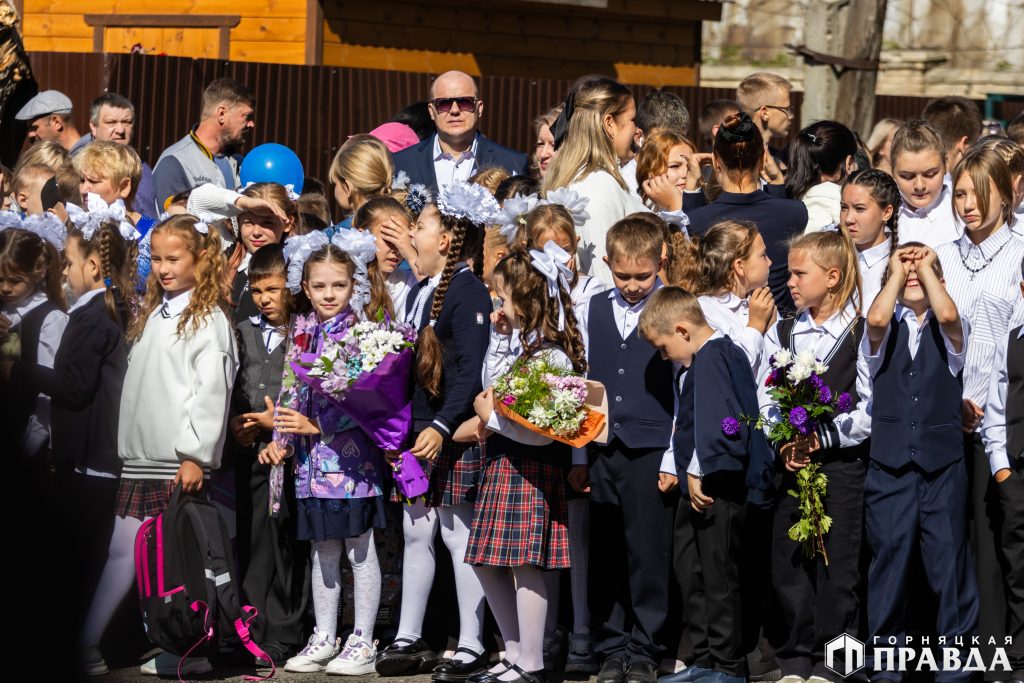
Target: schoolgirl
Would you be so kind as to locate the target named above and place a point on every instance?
(390, 223)
(870, 212)
(919, 168)
(820, 158)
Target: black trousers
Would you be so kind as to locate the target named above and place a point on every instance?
(906, 510)
(985, 528)
(709, 561)
(1011, 499)
(819, 602)
(630, 547)
(277, 578)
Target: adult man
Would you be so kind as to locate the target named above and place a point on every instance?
(458, 149)
(958, 121)
(49, 120)
(112, 118)
(208, 153)
(765, 97)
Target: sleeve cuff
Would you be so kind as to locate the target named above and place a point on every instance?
(442, 427)
(998, 461)
(694, 466)
(579, 456)
(668, 463)
(828, 433)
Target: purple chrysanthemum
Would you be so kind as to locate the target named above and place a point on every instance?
(824, 393)
(845, 402)
(730, 426)
(798, 418)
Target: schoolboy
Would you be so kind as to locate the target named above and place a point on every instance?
(28, 186)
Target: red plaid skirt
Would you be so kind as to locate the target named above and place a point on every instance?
(454, 475)
(521, 515)
(141, 498)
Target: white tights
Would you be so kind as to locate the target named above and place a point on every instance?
(116, 581)
(326, 584)
(518, 600)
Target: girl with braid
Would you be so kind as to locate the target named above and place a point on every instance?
(870, 212)
(451, 308)
(84, 386)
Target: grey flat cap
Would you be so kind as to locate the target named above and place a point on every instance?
(46, 102)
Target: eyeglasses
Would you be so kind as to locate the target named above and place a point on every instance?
(787, 110)
(444, 104)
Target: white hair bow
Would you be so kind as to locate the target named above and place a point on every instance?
(97, 211)
(470, 201)
(201, 227)
(512, 212)
(47, 227)
(400, 181)
(296, 252)
(551, 263)
(10, 219)
(362, 247)
(292, 194)
(572, 201)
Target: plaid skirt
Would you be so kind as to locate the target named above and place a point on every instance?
(141, 498)
(521, 516)
(454, 475)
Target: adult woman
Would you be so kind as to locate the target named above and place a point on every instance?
(544, 149)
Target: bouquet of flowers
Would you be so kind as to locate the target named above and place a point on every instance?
(552, 401)
(10, 346)
(804, 401)
(367, 370)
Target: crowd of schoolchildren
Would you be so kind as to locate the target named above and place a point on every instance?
(143, 355)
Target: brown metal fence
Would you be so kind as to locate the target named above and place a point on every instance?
(313, 109)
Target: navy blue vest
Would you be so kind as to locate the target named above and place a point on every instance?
(917, 402)
(1015, 396)
(638, 381)
(19, 398)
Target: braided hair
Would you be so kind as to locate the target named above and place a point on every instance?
(116, 256)
(885, 192)
(466, 245)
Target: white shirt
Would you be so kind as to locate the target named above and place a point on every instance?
(627, 317)
(1017, 227)
(994, 432)
(989, 298)
(608, 204)
(586, 287)
(628, 173)
(822, 202)
(398, 284)
(729, 314)
(871, 263)
(854, 426)
(954, 358)
(415, 314)
(933, 225)
(272, 335)
(86, 298)
(37, 432)
(448, 169)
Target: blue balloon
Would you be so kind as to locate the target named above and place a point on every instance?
(272, 163)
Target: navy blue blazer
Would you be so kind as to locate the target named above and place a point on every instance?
(778, 220)
(418, 161)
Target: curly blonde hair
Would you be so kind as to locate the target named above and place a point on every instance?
(210, 291)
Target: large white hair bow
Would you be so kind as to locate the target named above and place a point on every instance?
(48, 227)
(362, 247)
(296, 252)
(470, 201)
(571, 200)
(513, 211)
(97, 211)
(552, 264)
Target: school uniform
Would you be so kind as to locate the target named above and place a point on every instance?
(734, 470)
(729, 314)
(1004, 443)
(520, 517)
(822, 202)
(984, 282)
(872, 263)
(631, 521)
(817, 603)
(933, 225)
(244, 306)
(275, 576)
(915, 491)
(463, 329)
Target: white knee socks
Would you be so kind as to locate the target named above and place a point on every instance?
(419, 523)
(115, 582)
(531, 607)
(455, 523)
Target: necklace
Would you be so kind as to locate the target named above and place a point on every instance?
(984, 265)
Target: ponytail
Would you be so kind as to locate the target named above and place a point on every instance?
(820, 149)
(834, 249)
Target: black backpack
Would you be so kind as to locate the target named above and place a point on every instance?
(186, 577)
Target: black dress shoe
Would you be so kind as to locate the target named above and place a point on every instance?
(612, 671)
(642, 672)
(488, 676)
(528, 676)
(405, 658)
(454, 671)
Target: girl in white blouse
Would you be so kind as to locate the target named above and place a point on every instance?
(869, 211)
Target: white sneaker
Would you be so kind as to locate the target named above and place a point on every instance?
(315, 656)
(90, 662)
(166, 664)
(791, 679)
(818, 679)
(356, 659)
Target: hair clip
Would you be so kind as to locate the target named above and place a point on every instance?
(514, 211)
(202, 227)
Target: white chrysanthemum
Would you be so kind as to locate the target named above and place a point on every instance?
(798, 372)
(782, 359)
(806, 357)
(820, 368)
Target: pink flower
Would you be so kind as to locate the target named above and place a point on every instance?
(508, 400)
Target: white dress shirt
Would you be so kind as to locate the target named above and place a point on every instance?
(272, 335)
(854, 426)
(872, 263)
(822, 202)
(933, 225)
(398, 284)
(37, 433)
(954, 358)
(448, 169)
(994, 431)
(628, 173)
(586, 287)
(989, 297)
(729, 314)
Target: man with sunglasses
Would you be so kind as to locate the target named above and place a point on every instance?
(458, 149)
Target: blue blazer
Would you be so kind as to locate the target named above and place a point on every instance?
(778, 220)
(418, 161)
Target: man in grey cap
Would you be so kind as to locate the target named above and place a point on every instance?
(49, 120)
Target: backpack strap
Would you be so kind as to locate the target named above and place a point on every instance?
(196, 606)
(242, 629)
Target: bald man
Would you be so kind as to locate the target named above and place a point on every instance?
(458, 149)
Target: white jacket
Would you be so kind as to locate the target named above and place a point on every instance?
(609, 203)
(822, 202)
(176, 394)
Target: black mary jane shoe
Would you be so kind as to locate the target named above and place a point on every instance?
(489, 676)
(454, 671)
(528, 676)
(405, 658)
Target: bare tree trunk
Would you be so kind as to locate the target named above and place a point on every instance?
(822, 33)
(862, 41)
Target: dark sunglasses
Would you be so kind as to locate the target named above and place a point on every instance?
(444, 104)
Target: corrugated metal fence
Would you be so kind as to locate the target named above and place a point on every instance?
(314, 109)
